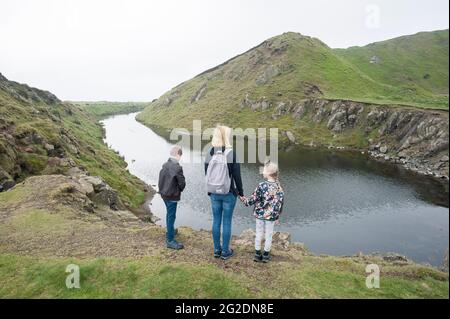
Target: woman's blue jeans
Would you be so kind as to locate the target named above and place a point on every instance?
(222, 208)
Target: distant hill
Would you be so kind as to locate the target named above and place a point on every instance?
(411, 70)
(101, 109)
(418, 62)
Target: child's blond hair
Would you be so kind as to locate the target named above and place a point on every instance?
(271, 169)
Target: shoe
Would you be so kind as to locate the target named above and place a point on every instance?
(217, 253)
(258, 256)
(266, 257)
(174, 245)
(228, 255)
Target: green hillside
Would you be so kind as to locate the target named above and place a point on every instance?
(39, 134)
(293, 67)
(418, 62)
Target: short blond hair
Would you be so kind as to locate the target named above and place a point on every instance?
(271, 169)
(221, 137)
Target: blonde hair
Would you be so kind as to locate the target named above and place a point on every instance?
(221, 137)
(271, 169)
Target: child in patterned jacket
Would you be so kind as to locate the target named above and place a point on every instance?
(268, 201)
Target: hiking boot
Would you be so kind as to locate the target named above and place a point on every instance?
(174, 245)
(265, 257)
(227, 255)
(258, 256)
(217, 253)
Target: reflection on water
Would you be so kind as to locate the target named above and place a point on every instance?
(337, 203)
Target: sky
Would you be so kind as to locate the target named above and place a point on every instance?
(136, 50)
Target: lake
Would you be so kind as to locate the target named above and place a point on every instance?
(337, 202)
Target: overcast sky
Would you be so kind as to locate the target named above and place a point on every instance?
(136, 50)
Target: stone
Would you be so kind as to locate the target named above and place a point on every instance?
(299, 111)
(72, 148)
(247, 238)
(6, 181)
(291, 137)
(86, 187)
(383, 149)
(76, 172)
(336, 117)
(66, 162)
(352, 118)
(49, 147)
(269, 73)
(199, 94)
(281, 240)
(375, 60)
(265, 105)
(392, 257)
(402, 154)
(338, 127)
(57, 151)
(97, 183)
(107, 196)
(168, 100)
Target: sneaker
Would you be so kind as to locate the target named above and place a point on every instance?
(174, 245)
(266, 257)
(227, 255)
(258, 256)
(217, 253)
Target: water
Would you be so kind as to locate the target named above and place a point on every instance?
(337, 203)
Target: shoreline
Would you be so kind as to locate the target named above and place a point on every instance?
(145, 213)
(374, 154)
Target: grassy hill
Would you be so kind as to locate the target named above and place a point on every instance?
(39, 134)
(293, 67)
(418, 62)
(102, 109)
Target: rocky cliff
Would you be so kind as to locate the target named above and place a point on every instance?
(415, 138)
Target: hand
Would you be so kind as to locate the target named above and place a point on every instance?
(277, 222)
(243, 199)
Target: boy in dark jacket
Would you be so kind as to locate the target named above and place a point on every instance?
(171, 183)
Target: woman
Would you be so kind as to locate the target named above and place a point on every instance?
(223, 203)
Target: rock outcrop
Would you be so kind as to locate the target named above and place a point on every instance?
(199, 94)
(96, 189)
(416, 138)
(280, 240)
